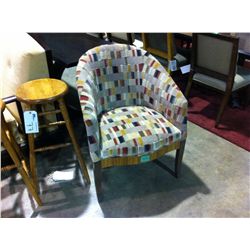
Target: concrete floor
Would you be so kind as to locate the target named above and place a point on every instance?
(214, 183)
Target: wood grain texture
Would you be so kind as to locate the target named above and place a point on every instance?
(73, 138)
(133, 160)
(41, 91)
(17, 157)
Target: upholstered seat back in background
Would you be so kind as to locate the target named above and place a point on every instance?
(113, 76)
(22, 60)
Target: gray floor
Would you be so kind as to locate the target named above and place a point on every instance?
(215, 183)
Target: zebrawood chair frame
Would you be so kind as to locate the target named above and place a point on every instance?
(179, 146)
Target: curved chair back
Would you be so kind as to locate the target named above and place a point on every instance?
(119, 75)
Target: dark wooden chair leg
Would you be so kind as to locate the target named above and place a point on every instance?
(178, 159)
(98, 180)
(189, 85)
(222, 108)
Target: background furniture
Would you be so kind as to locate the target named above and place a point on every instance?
(41, 92)
(132, 109)
(22, 60)
(15, 152)
(162, 46)
(213, 64)
(126, 38)
(183, 44)
(66, 48)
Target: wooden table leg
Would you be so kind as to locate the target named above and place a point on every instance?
(69, 126)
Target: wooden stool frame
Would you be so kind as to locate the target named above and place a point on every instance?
(30, 105)
(16, 155)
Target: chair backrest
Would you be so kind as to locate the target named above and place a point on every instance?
(118, 75)
(159, 44)
(215, 55)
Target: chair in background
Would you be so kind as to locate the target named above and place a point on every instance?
(16, 155)
(127, 38)
(132, 109)
(162, 46)
(214, 61)
(183, 44)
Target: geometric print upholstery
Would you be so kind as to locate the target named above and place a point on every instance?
(135, 130)
(114, 76)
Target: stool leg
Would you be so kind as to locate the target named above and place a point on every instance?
(69, 126)
(32, 158)
(18, 163)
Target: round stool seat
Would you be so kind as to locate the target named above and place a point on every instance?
(41, 91)
(2, 104)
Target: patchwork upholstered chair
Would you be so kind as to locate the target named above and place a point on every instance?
(132, 109)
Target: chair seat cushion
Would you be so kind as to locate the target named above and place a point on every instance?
(242, 79)
(135, 130)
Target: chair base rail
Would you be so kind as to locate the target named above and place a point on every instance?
(133, 160)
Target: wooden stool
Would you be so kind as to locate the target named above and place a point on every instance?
(16, 155)
(43, 91)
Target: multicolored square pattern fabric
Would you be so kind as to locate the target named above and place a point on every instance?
(113, 78)
(135, 130)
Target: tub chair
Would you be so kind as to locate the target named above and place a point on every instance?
(132, 109)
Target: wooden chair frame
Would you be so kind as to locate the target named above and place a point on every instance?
(229, 79)
(179, 146)
(168, 55)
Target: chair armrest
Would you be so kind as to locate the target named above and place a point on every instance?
(84, 82)
(175, 106)
(162, 94)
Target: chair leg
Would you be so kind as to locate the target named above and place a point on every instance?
(32, 158)
(222, 108)
(73, 139)
(189, 85)
(98, 180)
(178, 159)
